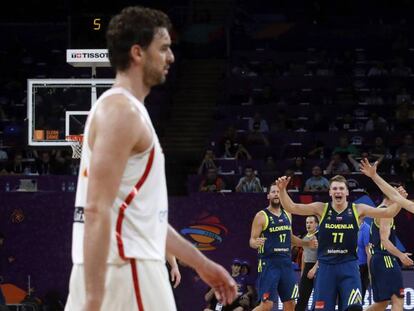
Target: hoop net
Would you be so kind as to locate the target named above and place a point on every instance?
(76, 144)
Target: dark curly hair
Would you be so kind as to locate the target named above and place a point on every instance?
(133, 25)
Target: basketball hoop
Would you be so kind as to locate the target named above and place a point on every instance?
(76, 144)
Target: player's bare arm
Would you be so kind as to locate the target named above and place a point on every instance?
(392, 193)
(312, 271)
(111, 141)
(385, 230)
(214, 275)
(389, 212)
(257, 226)
(315, 208)
(296, 241)
(367, 210)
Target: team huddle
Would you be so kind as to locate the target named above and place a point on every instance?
(330, 249)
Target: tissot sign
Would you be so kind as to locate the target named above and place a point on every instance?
(87, 57)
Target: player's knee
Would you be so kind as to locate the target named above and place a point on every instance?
(397, 302)
(354, 308)
(267, 305)
(289, 305)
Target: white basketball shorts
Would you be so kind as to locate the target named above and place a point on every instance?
(141, 285)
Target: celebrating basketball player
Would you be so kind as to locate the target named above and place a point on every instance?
(272, 236)
(121, 232)
(386, 276)
(389, 191)
(338, 273)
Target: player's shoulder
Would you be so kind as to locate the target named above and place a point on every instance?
(288, 215)
(260, 215)
(116, 101)
(119, 106)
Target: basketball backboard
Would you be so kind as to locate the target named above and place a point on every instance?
(59, 107)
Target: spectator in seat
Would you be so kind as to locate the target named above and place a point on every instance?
(3, 154)
(298, 165)
(377, 70)
(207, 162)
(316, 183)
(337, 166)
(376, 123)
(250, 282)
(230, 133)
(374, 98)
(295, 180)
(256, 137)
(62, 163)
(318, 151)
(230, 149)
(364, 155)
(249, 182)
(45, 164)
(407, 147)
(345, 147)
(380, 149)
(257, 122)
(242, 153)
(17, 166)
(404, 167)
(270, 166)
(324, 70)
(403, 116)
(244, 292)
(403, 97)
(212, 182)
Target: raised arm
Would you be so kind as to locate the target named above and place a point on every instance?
(385, 228)
(214, 275)
(315, 208)
(389, 212)
(392, 193)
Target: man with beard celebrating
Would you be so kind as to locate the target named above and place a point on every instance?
(338, 276)
(272, 236)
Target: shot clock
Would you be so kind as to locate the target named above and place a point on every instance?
(88, 31)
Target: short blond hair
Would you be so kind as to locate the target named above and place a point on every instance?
(338, 178)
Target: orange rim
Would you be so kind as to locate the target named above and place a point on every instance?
(74, 138)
